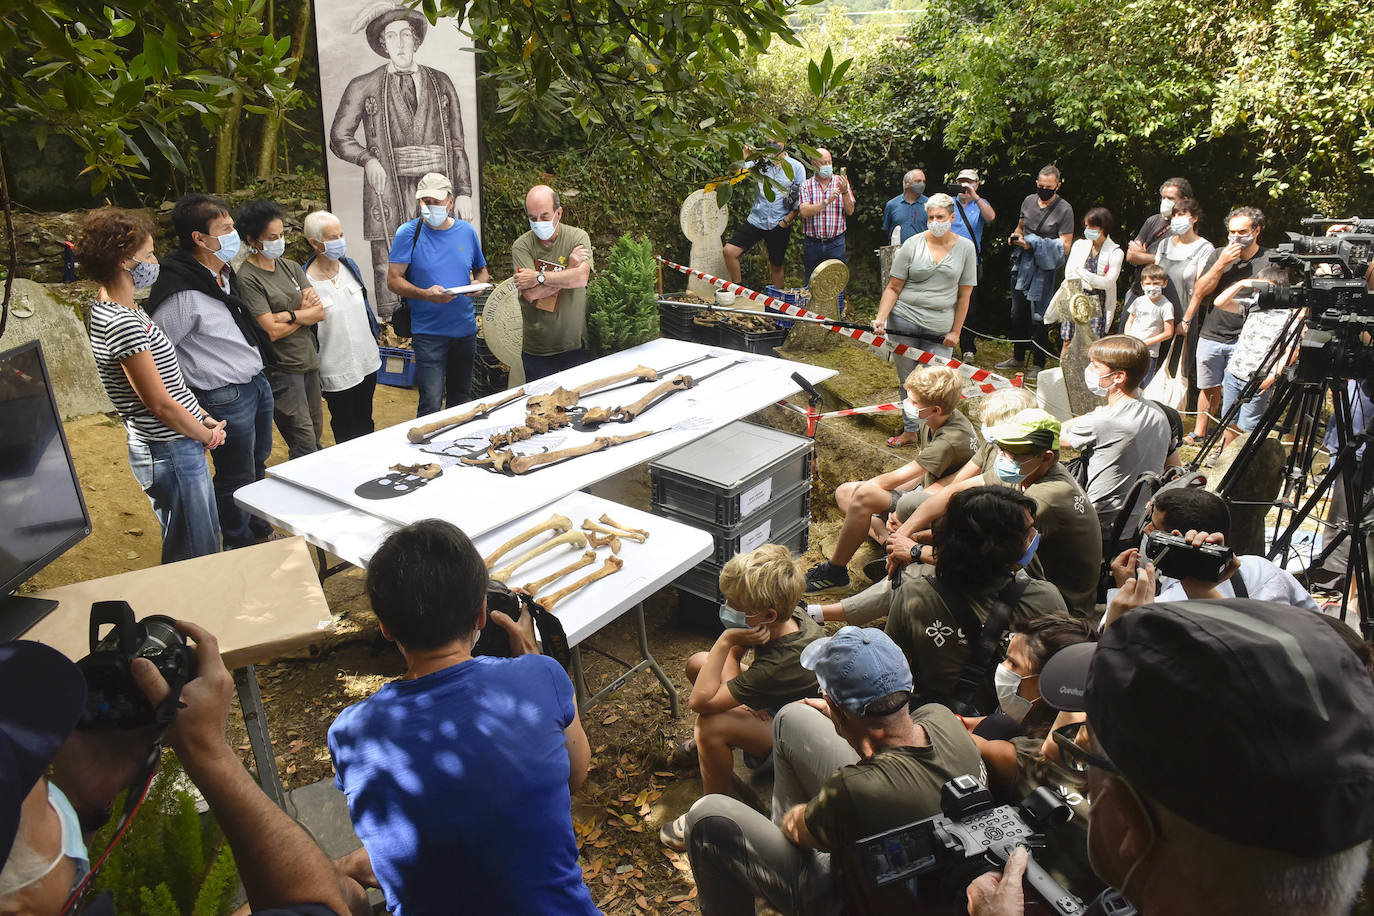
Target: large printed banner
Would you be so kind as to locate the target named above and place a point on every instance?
(399, 99)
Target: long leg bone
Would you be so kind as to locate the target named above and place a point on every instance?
(587, 559)
(575, 538)
(610, 522)
(421, 434)
(559, 523)
(611, 539)
(590, 526)
(611, 565)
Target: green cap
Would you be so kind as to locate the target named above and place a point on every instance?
(1031, 428)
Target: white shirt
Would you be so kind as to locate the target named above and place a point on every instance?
(347, 351)
(1264, 580)
(1149, 318)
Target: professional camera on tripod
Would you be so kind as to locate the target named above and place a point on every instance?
(1330, 330)
(974, 834)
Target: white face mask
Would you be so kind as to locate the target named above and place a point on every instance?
(273, 249)
(912, 414)
(1007, 683)
(938, 228)
(1093, 381)
(1153, 292)
(1166, 207)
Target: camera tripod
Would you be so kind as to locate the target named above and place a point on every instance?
(1324, 346)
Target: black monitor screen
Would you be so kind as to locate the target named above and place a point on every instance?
(42, 512)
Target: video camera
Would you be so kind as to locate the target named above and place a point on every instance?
(113, 699)
(971, 836)
(1174, 557)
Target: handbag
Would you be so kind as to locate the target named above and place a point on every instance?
(400, 319)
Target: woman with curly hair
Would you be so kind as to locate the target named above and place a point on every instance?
(168, 430)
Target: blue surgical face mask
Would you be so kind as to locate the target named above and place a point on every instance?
(825, 171)
(543, 229)
(1030, 551)
(1092, 235)
(336, 249)
(144, 274)
(273, 249)
(73, 847)
(732, 619)
(228, 246)
(435, 214)
(1180, 224)
(1008, 471)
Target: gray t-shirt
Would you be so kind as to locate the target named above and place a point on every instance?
(1128, 438)
(1047, 222)
(210, 347)
(931, 289)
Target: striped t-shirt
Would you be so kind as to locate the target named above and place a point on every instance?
(118, 333)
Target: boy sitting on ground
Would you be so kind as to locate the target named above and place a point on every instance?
(946, 440)
(735, 705)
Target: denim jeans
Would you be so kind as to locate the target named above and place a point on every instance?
(242, 459)
(1028, 323)
(814, 251)
(537, 367)
(176, 481)
(443, 370)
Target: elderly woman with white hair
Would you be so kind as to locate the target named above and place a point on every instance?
(349, 359)
(926, 299)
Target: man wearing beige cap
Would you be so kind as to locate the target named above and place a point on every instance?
(429, 257)
(974, 212)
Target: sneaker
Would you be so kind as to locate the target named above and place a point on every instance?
(1010, 363)
(824, 576)
(674, 833)
(968, 356)
(684, 756)
(1033, 373)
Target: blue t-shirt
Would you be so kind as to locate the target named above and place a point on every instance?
(975, 220)
(446, 257)
(902, 212)
(457, 784)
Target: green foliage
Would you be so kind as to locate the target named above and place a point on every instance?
(123, 81)
(622, 302)
(159, 867)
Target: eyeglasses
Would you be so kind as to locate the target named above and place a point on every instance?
(1075, 758)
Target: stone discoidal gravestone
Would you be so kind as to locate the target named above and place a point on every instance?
(703, 222)
(66, 348)
(503, 328)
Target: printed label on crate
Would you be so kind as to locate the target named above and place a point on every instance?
(395, 364)
(755, 496)
(756, 538)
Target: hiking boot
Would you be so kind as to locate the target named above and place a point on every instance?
(1010, 362)
(824, 576)
(674, 833)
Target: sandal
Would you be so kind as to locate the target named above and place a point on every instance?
(896, 442)
(1193, 439)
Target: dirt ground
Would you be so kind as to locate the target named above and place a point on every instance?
(631, 789)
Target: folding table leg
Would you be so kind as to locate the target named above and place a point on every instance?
(255, 721)
(647, 660)
(653, 662)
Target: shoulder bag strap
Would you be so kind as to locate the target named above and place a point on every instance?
(1238, 585)
(988, 643)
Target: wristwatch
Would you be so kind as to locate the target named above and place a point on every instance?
(290, 317)
(540, 278)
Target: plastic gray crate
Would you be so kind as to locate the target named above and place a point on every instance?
(703, 580)
(781, 514)
(735, 471)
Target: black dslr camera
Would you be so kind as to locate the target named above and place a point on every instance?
(972, 835)
(113, 699)
(1174, 557)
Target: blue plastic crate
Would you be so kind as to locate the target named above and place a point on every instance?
(794, 297)
(398, 367)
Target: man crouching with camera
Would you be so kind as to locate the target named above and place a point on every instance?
(45, 867)
(1231, 767)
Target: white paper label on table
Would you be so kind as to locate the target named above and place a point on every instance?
(755, 496)
(756, 538)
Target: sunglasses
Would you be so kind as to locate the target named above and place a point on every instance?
(1076, 758)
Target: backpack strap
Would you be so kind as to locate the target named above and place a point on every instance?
(987, 646)
(1238, 585)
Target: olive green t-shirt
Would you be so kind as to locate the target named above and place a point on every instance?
(776, 677)
(937, 647)
(565, 328)
(894, 787)
(944, 451)
(1070, 551)
(1067, 844)
(279, 290)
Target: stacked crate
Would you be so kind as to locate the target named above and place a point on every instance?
(747, 485)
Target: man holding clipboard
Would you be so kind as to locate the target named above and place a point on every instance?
(553, 263)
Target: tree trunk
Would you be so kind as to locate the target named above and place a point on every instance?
(227, 140)
(271, 130)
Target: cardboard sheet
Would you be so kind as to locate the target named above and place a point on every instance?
(260, 602)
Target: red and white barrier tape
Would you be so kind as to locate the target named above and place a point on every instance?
(984, 381)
